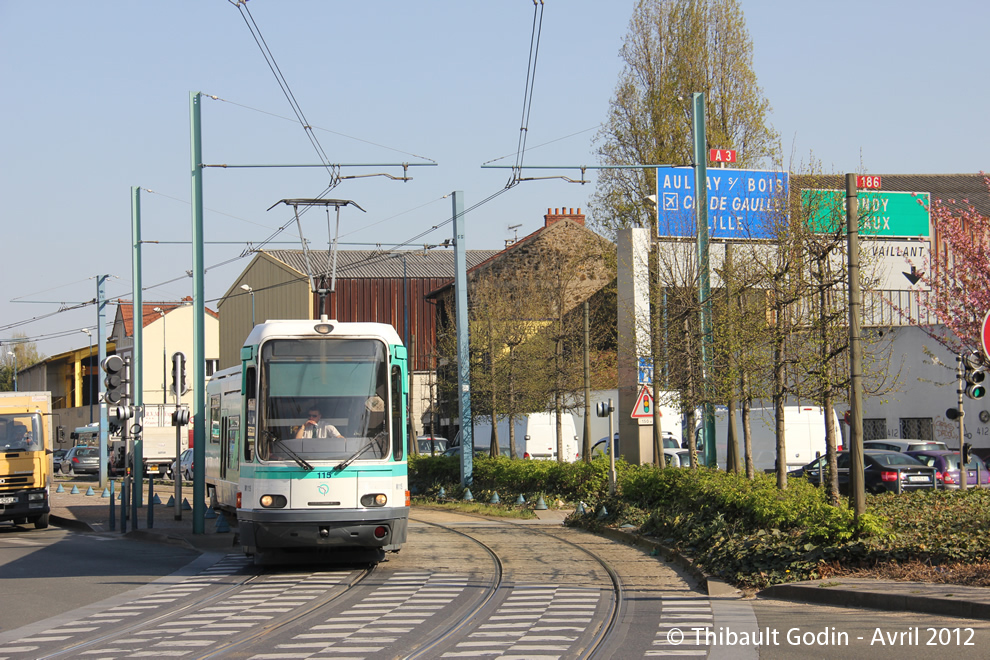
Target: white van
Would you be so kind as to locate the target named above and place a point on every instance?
(804, 435)
(536, 436)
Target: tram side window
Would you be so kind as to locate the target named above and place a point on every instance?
(215, 418)
(250, 393)
(397, 414)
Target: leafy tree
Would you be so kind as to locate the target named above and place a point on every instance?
(27, 355)
(672, 49)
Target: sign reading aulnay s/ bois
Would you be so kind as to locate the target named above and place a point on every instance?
(881, 213)
(742, 204)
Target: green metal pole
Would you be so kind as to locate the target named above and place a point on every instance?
(199, 341)
(463, 351)
(137, 356)
(704, 275)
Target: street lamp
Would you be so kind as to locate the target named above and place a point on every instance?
(245, 287)
(89, 367)
(14, 355)
(164, 358)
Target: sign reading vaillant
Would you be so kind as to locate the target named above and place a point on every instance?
(742, 204)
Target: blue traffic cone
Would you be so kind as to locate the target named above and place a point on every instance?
(222, 526)
(495, 499)
(520, 499)
(74, 491)
(540, 504)
(89, 491)
(602, 513)
(210, 514)
(468, 497)
(580, 510)
(60, 489)
(106, 493)
(185, 505)
(171, 501)
(157, 499)
(442, 494)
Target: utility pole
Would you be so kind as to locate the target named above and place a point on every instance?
(856, 476)
(463, 346)
(704, 267)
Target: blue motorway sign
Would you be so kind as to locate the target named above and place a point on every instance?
(742, 204)
(645, 371)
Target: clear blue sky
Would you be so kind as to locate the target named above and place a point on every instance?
(97, 100)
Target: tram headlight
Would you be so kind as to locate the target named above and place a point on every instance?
(374, 499)
(273, 501)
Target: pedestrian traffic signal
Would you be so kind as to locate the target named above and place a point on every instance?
(975, 374)
(115, 380)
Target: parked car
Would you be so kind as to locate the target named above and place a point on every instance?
(81, 460)
(57, 457)
(427, 444)
(884, 471)
(677, 457)
(897, 444)
(946, 461)
(479, 452)
(600, 448)
(185, 466)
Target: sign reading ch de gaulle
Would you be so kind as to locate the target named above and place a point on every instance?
(742, 204)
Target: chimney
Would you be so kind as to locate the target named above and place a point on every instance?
(556, 215)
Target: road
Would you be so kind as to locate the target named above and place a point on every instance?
(460, 588)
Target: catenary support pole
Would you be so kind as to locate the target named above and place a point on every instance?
(463, 346)
(704, 271)
(137, 354)
(199, 309)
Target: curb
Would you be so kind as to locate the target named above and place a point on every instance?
(69, 523)
(851, 596)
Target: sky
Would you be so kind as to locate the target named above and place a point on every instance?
(97, 97)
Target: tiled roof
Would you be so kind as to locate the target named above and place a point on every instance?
(371, 264)
(125, 308)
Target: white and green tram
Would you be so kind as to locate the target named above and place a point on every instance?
(295, 488)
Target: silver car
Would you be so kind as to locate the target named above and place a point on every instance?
(81, 460)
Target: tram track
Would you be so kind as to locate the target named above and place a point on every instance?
(606, 622)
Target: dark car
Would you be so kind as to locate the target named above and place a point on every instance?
(57, 457)
(884, 471)
(946, 462)
(81, 460)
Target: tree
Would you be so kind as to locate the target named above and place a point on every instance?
(27, 355)
(674, 48)
(958, 272)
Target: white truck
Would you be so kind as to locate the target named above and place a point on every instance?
(535, 433)
(158, 449)
(804, 435)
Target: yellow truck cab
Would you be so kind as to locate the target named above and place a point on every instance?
(25, 457)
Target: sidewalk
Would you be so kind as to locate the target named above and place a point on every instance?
(888, 595)
(91, 513)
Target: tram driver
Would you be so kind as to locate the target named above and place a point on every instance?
(317, 427)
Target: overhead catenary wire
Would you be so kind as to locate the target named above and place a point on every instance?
(255, 31)
(534, 52)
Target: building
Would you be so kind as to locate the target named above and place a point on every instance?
(370, 286)
(74, 377)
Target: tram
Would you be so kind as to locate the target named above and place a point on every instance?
(306, 439)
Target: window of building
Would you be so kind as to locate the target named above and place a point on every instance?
(875, 429)
(917, 428)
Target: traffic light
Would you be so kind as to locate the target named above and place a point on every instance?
(952, 414)
(975, 374)
(115, 379)
(179, 374)
(967, 452)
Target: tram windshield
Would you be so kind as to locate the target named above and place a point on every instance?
(323, 399)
